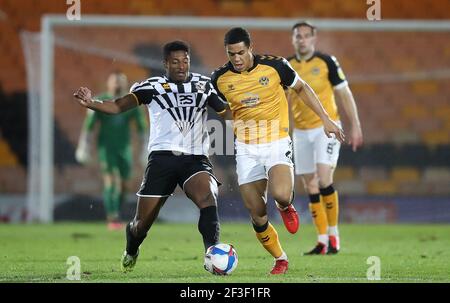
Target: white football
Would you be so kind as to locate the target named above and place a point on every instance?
(221, 259)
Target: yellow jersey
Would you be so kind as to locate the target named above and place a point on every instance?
(256, 98)
(323, 73)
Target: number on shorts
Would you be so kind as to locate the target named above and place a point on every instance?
(330, 147)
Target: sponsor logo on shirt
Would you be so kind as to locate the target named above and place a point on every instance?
(185, 100)
(250, 101)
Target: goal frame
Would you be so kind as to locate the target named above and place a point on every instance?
(44, 198)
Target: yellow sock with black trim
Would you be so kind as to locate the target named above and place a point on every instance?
(318, 214)
(268, 237)
(330, 201)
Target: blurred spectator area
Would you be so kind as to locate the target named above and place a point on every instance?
(396, 78)
(17, 15)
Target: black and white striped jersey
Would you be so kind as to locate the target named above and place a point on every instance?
(178, 112)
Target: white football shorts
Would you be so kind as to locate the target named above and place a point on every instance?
(312, 146)
(253, 161)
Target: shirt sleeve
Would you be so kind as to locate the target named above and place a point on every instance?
(288, 75)
(218, 105)
(335, 74)
(214, 100)
(214, 77)
(143, 91)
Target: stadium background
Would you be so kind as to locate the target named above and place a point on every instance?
(400, 81)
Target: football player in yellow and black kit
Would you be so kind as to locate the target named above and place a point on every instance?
(253, 87)
(315, 154)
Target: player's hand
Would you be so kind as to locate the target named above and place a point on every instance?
(331, 127)
(84, 96)
(356, 138)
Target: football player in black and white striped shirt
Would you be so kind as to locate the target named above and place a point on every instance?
(178, 145)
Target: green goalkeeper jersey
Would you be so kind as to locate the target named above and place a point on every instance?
(114, 132)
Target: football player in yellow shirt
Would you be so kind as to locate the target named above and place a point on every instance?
(253, 85)
(315, 154)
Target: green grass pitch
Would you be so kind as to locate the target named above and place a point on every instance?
(174, 253)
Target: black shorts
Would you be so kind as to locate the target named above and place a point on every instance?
(165, 170)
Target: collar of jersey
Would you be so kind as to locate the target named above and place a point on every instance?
(186, 81)
(312, 57)
(255, 63)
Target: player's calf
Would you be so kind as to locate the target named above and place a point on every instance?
(209, 226)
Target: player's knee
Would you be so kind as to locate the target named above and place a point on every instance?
(311, 183)
(312, 186)
(283, 195)
(324, 183)
(282, 192)
(325, 178)
(205, 199)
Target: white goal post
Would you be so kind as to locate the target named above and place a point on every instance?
(40, 201)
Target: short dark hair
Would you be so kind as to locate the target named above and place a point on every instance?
(236, 35)
(305, 23)
(173, 46)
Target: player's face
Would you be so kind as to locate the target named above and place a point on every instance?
(303, 40)
(177, 65)
(240, 56)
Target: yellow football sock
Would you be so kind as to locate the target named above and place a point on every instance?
(319, 218)
(269, 239)
(331, 204)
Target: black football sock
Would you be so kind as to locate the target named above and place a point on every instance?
(133, 242)
(209, 226)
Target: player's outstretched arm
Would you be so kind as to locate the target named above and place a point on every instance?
(83, 96)
(307, 94)
(345, 96)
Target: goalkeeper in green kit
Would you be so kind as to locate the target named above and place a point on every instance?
(113, 146)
